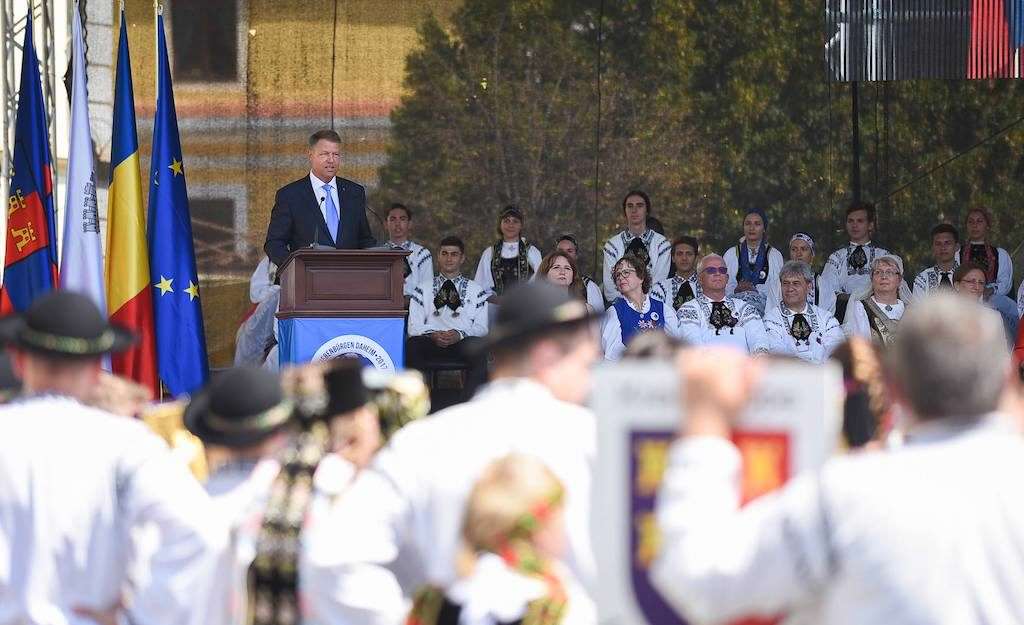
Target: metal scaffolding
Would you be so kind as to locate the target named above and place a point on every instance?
(13, 17)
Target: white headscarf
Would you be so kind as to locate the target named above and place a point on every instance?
(904, 292)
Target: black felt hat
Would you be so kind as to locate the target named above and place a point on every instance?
(240, 408)
(532, 308)
(64, 324)
(346, 390)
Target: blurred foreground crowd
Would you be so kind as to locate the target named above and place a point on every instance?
(326, 495)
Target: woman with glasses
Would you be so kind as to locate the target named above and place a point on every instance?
(970, 279)
(633, 311)
(559, 269)
(875, 313)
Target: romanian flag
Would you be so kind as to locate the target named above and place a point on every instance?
(180, 339)
(129, 295)
(30, 264)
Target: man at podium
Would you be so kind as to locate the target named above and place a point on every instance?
(321, 209)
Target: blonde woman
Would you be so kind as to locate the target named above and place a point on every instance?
(513, 537)
(876, 312)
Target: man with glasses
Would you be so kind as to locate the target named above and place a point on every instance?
(798, 328)
(714, 319)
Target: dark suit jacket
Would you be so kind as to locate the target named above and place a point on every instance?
(296, 220)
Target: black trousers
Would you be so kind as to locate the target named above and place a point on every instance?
(421, 352)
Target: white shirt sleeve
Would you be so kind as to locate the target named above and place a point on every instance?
(610, 292)
(753, 329)
(690, 330)
(671, 321)
(260, 284)
(534, 258)
(778, 335)
(732, 263)
(830, 273)
(832, 335)
(921, 285)
(417, 324)
(483, 271)
(774, 295)
(477, 307)
(663, 260)
(720, 563)
(611, 335)
(594, 296)
(856, 322)
(1004, 280)
(826, 294)
(191, 539)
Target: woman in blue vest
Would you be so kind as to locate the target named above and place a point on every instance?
(633, 311)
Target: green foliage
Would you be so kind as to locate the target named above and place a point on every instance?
(560, 106)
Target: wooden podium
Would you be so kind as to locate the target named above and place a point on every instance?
(342, 283)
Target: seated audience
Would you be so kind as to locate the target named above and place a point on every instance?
(875, 312)
(637, 239)
(753, 264)
(821, 294)
(848, 270)
(945, 239)
(994, 261)
(510, 260)
(634, 311)
(567, 243)
(419, 265)
(513, 538)
(447, 315)
(255, 338)
(713, 318)
(682, 285)
(797, 328)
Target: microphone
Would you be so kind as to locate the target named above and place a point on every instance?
(315, 243)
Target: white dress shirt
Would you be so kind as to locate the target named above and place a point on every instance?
(928, 534)
(318, 191)
(928, 280)
(611, 329)
(846, 279)
(667, 289)
(856, 322)
(826, 333)
(595, 299)
(659, 249)
(508, 250)
(78, 487)
(732, 263)
(470, 319)
(1004, 274)
(421, 264)
(407, 510)
(748, 335)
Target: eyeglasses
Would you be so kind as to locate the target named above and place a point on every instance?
(713, 270)
(624, 273)
(885, 273)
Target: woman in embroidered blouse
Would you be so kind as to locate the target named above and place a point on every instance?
(558, 268)
(634, 311)
(753, 264)
(875, 313)
(510, 260)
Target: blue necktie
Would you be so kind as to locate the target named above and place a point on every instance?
(332, 213)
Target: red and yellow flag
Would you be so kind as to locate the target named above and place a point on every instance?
(129, 296)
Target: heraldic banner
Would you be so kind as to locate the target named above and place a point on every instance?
(377, 342)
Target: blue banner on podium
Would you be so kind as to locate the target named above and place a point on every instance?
(378, 342)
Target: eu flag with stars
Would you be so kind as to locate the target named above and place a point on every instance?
(180, 338)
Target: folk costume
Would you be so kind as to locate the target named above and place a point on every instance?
(653, 249)
(406, 511)
(730, 322)
(759, 266)
(994, 260)
(848, 272)
(810, 334)
(419, 264)
(445, 304)
(933, 279)
(623, 321)
(676, 290)
(822, 294)
(78, 485)
(870, 319)
(505, 264)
